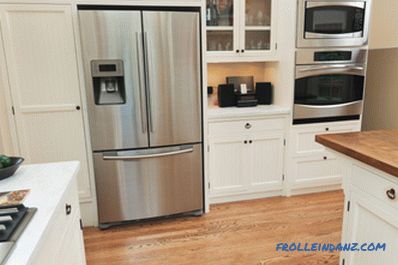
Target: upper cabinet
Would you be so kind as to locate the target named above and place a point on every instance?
(239, 31)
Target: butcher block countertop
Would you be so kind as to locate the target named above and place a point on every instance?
(375, 148)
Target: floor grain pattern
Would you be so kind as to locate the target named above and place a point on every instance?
(231, 234)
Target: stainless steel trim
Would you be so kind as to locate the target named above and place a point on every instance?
(329, 3)
(148, 82)
(330, 67)
(135, 157)
(306, 56)
(324, 111)
(307, 71)
(138, 36)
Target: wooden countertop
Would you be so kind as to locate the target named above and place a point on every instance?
(375, 148)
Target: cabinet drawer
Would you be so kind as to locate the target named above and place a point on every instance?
(303, 140)
(317, 170)
(374, 184)
(245, 126)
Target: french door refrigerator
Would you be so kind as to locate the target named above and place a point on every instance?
(143, 85)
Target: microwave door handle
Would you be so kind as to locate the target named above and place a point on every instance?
(360, 4)
(145, 156)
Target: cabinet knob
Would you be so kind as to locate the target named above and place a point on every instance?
(327, 129)
(242, 50)
(237, 51)
(391, 194)
(250, 142)
(248, 126)
(68, 209)
(245, 142)
(325, 158)
(77, 107)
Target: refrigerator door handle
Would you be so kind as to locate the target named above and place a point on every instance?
(145, 156)
(148, 81)
(138, 36)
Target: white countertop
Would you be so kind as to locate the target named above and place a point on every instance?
(216, 113)
(47, 184)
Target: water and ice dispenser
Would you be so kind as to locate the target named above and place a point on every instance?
(108, 81)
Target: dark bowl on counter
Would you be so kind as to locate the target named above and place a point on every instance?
(7, 172)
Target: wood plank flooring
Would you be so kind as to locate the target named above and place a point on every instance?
(233, 233)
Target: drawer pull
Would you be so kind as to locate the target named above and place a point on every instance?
(391, 194)
(248, 126)
(68, 209)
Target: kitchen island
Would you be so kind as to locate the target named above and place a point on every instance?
(370, 163)
(53, 235)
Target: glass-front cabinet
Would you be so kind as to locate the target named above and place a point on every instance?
(240, 30)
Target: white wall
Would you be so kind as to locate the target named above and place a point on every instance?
(384, 24)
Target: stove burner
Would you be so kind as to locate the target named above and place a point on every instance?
(13, 220)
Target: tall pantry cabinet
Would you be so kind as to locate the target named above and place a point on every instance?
(41, 66)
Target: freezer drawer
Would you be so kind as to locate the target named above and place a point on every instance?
(148, 183)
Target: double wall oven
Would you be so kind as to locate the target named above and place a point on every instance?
(333, 23)
(329, 85)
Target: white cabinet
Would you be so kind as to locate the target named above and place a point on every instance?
(372, 217)
(246, 159)
(62, 242)
(241, 30)
(42, 70)
(310, 167)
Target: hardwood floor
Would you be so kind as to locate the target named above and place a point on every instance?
(234, 233)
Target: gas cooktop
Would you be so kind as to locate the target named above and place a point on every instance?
(13, 221)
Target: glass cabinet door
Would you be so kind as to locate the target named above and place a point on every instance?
(220, 25)
(257, 25)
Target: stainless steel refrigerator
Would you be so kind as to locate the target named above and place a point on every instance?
(143, 86)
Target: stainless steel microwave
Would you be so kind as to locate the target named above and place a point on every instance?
(333, 23)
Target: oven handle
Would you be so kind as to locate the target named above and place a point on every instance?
(323, 4)
(145, 156)
(327, 69)
(330, 106)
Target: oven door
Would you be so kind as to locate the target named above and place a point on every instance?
(333, 23)
(328, 92)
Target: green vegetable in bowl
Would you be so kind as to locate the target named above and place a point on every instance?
(5, 161)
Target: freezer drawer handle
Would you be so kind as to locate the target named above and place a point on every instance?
(136, 157)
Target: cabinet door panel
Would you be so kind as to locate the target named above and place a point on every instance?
(42, 68)
(228, 160)
(267, 161)
(371, 221)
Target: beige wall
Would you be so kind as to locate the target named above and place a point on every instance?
(384, 24)
(381, 100)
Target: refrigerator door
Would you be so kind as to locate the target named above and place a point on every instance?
(173, 83)
(112, 41)
(141, 184)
